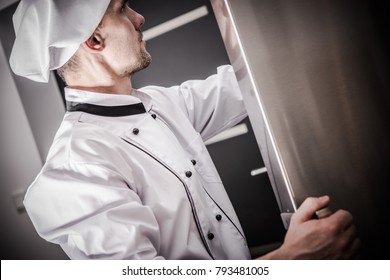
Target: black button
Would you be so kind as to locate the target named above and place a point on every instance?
(210, 236)
(154, 116)
(188, 174)
(193, 161)
(218, 217)
(135, 131)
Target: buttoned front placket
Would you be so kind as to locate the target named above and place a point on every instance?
(154, 138)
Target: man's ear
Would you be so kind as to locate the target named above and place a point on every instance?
(95, 42)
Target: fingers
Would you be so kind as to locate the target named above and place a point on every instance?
(331, 236)
(343, 229)
(352, 243)
(353, 249)
(342, 219)
(307, 209)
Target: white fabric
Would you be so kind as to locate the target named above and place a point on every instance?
(107, 193)
(49, 32)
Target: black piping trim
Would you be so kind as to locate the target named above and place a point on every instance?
(225, 214)
(106, 111)
(188, 195)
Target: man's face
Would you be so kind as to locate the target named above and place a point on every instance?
(125, 51)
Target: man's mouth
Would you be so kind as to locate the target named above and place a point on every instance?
(140, 36)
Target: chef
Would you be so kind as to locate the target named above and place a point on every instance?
(128, 175)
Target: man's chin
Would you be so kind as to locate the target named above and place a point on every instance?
(144, 62)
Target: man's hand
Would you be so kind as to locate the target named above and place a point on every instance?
(331, 237)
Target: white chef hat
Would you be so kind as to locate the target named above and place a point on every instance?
(49, 32)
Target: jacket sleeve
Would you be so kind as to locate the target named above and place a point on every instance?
(211, 105)
(92, 214)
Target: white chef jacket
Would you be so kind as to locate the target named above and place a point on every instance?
(129, 176)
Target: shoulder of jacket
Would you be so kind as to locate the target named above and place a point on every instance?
(79, 142)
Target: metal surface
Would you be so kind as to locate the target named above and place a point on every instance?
(314, 76)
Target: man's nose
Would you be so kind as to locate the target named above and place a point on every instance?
(137, 19)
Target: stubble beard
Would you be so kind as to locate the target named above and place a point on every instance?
(143, 62)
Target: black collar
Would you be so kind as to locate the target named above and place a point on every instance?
(106, 111)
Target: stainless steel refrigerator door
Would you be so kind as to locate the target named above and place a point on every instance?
(315, 80)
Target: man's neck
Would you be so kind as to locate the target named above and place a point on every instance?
(119, 86)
